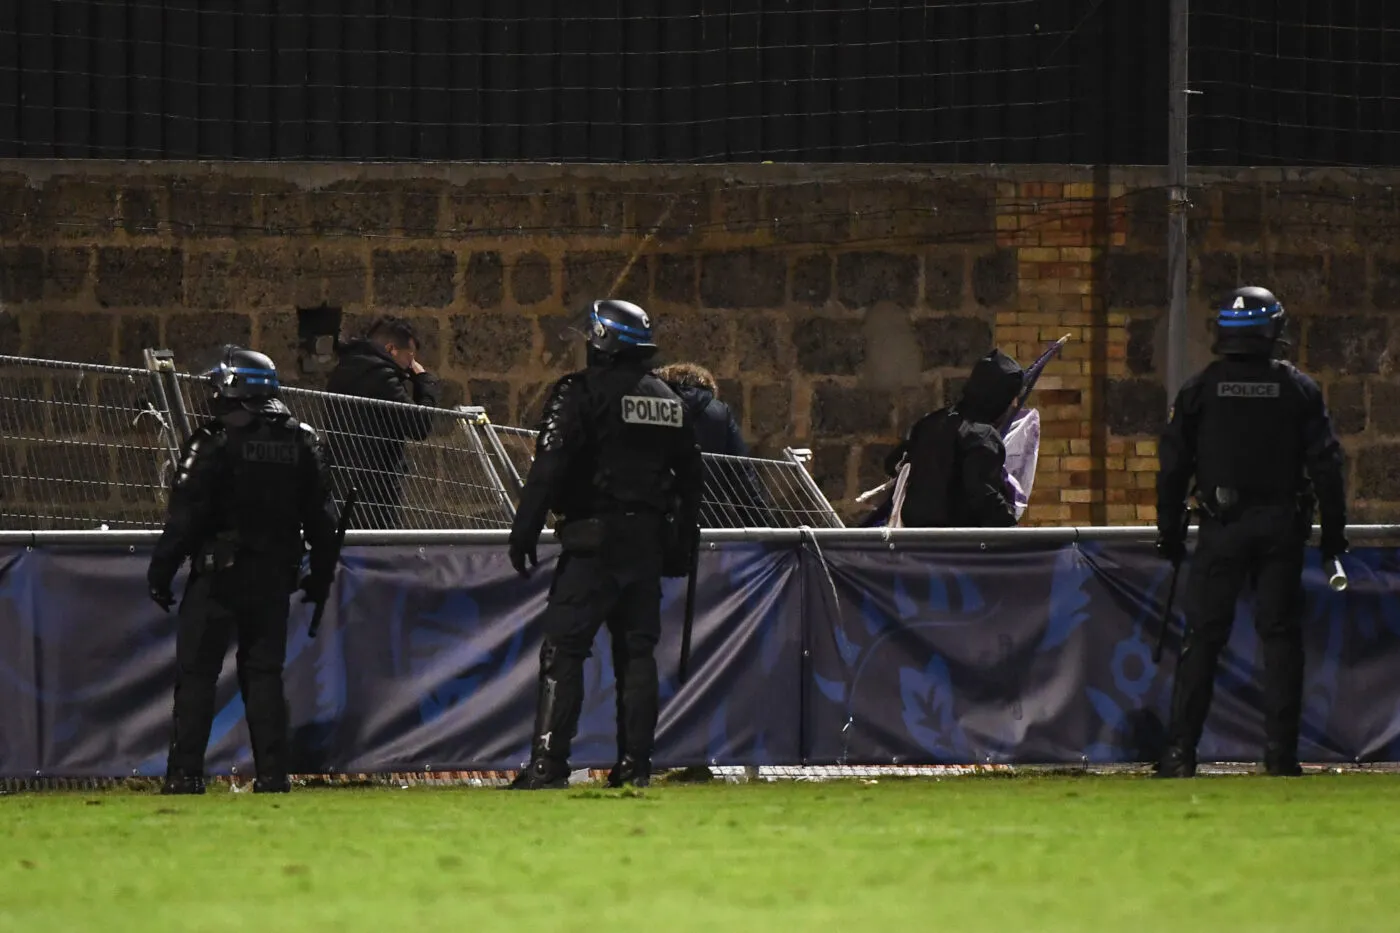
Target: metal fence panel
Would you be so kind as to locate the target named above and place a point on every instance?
(416, 468)
(82, 446)
(740, 492)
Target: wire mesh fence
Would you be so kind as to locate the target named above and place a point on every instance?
(81, 446)
(740, 492)
(416, 468)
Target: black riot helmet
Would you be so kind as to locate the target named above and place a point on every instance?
(244, 375)
(619, 329)
(1249, 322)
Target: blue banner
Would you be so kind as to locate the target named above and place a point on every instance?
(849, 654)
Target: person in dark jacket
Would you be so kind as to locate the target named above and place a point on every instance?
(733, 497)
(956, 456)
(367, 441)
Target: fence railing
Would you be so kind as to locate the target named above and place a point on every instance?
(86, 446)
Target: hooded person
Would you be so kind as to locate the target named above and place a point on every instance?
(956, 458)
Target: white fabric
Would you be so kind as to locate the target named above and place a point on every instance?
(1022, 455)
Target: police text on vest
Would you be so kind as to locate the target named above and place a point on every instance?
(1247, 390)
(658, 412)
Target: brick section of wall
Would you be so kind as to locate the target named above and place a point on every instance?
(836, 304)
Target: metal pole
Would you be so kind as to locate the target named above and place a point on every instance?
(1178, 256)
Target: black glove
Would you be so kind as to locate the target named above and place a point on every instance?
(315, 589)
(520, 552)
(161, 596)
(1171, 548)
(1334, 544)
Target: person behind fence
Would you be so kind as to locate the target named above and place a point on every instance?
(734, 485)
(252, 486)
(367, 442)
(955, 456)
(1253, 431)
(617, 461)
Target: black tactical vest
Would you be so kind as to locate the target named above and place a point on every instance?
(1249, 434)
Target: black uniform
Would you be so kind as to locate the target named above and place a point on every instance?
(616, 460)
(736, 497)
(366, 443)
(250, 483)
(1252, 431)
(957, 459)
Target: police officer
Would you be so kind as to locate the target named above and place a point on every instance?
(617, 461)
(1253, 431)
(251, 482)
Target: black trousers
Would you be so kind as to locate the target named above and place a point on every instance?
(619, 587)
(249, 601)
(1263, 547)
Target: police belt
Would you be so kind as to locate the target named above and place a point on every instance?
(1226, 500)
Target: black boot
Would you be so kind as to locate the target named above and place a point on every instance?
(182, 784)
(630, 771)
(272, 785)
(1177, 762)
(1280, 762)
(556, 718)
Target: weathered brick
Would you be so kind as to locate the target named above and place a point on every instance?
(1136, 280)
(561, 210)
(811, 279)
(1135, 406)
(607, 209)
(531, 279)
(943, 280)
(672, 215)
(341, 269)
(1142, 346)
(135, 334)
(480, 212)
(529, 402)
(563, 341)
(763, 346)
(270, 277)
(19, 204)
(1242, 215)
(1219, 275)
(1370, 214)
(1386, 293)
(495, 396)
(208, 280)
(676, 279)
(1346, 281)
(864, 279)
(1346, 402)
(491, 343)
(485, 279)
(284, 209)
(593, 276)
(770, 415)
(196, 338)
(211, 208)
(1349, 344)
(67, 271)
(809, 213)
(870, 465)
(420, 209)
(142, 276)
(11, 334)
(1378, 472)
(140, 209)
(843, 411)
(741, 207)
(81, 336)
(994, 278)
(76, 207)
(351, 208)
(1300, 280)
(830, 467)
(420, 278)
(952, 341)
(697, 337)
(742, 279)
(21, 274)
(914, 403)
(829, 346)
(1144, 213)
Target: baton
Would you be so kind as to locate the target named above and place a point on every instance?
(1337, 576)
(340, 529)
(1171, 594)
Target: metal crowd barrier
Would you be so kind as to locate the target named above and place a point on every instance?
(85, 446)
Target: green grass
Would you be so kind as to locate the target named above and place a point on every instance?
(1320, 853)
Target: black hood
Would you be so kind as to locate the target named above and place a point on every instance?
(992, 386)
(364, 352)
(695, 398)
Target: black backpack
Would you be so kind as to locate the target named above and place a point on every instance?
(932, 453)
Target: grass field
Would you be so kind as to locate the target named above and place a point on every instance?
(1320, 853)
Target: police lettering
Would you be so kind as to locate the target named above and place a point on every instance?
(270, 452)
(1247, 390)
(658, 412)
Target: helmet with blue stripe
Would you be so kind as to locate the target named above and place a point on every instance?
(617, 327)
(244, 374)
(1249, 321)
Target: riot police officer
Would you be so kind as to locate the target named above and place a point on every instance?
(250, 484)
(1253, 431)
(618, 463)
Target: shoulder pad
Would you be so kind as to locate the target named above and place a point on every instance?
(552, 420)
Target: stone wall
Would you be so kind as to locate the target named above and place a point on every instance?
(835, 303)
